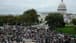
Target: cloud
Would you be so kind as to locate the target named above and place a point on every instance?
(18, 6)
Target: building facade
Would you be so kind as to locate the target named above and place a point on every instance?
(63, 10)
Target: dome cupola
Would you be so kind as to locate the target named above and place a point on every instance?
(62, 6)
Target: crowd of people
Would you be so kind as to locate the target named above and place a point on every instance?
(18, 34)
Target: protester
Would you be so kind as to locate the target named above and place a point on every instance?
(12, 33)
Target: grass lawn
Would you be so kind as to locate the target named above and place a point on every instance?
(67, 30)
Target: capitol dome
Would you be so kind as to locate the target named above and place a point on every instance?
(62, 6)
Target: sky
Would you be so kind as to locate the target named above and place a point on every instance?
(19, 6)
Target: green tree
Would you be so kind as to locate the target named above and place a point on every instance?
(54, 20)
(9, 19)
(1, 20)
(74, 21)
(30, 17)
(18, 20)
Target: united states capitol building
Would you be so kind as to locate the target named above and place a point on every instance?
(63, 10)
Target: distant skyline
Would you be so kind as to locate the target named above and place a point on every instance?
(19, 6)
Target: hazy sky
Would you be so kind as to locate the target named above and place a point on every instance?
(18, 6)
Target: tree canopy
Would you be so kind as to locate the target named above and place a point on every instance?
(55, 20)
(29, 17)
(74, 21)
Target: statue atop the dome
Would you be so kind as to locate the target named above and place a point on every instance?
(61, 0)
